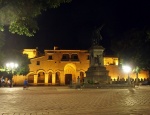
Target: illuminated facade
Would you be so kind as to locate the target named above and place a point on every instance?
(62, 67)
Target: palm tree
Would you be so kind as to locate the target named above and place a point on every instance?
(136, 70)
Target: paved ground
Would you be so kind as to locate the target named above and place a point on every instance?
(65, 101)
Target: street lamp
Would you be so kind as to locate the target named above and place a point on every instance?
(127, 69)
(11, 66)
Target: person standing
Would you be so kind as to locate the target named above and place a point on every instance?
(9, 83)
(25, 84)
(2, 81)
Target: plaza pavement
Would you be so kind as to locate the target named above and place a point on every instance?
(65, 101)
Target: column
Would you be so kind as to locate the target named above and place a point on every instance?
(46, 78)
(53, 78)
(35, 79)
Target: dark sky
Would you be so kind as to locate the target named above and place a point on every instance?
(70, 26)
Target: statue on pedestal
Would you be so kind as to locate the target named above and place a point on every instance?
(96, 36)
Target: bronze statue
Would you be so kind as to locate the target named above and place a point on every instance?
(96, 36)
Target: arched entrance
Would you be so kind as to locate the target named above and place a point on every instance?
(50, 77)
(57, 78)
(68, 79)
(41, 77)
(31, 78)
(69, 72)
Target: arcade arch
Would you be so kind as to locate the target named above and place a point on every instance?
(30, 77)
(41, 76)
(50, 77)
(57, 78)
(70, 73)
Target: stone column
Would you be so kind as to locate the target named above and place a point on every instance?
(46, 78)
(35, 79)
(53, 79)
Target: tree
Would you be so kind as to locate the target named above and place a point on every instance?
(146, 58)
(133, 48)
(20, 58)
(20, 15)
(2, 42)
(17, 57)
(129, 45)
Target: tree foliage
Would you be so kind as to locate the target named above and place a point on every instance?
(19, 58)
(133, 47)
(20, 15)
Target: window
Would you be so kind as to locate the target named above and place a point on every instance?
(74, 57)
(38, 63)
(50, 57)
(65, 57)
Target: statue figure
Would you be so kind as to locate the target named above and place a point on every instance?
(99, 61)
(96, 36)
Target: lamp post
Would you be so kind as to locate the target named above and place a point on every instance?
(127, 69)
(10, 67)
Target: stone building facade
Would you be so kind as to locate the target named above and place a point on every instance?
(62, 67)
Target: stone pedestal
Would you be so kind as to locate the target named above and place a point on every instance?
(97, 72)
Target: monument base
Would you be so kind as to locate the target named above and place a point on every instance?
(97, 74)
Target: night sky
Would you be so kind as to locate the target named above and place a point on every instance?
(70, 26)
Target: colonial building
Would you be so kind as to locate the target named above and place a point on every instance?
(62, 67)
